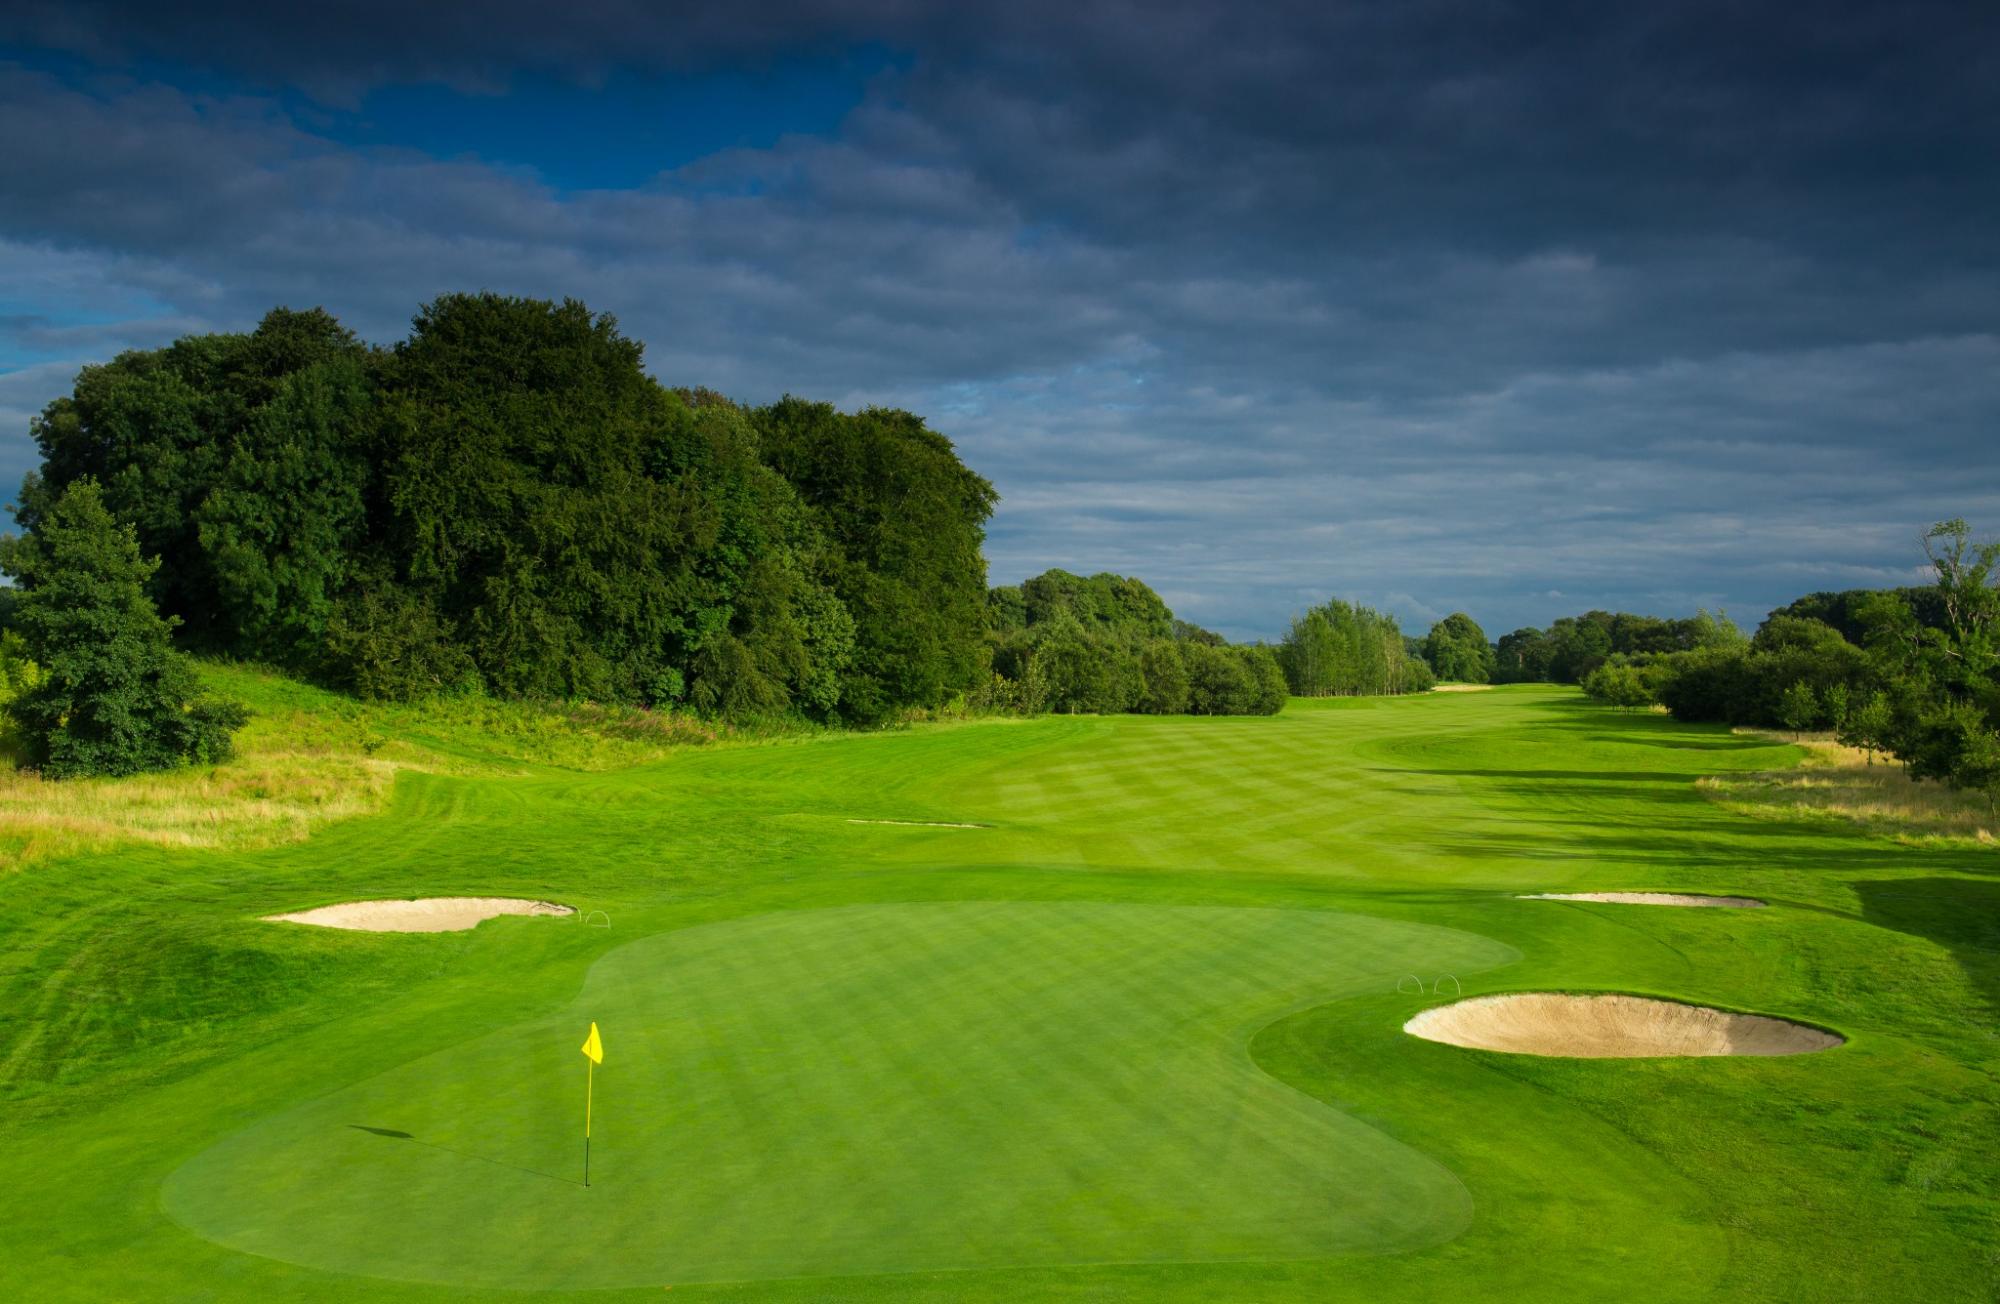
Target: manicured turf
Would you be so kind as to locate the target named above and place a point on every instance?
(871, 1089)
(1139, 1039)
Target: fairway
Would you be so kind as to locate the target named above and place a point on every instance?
(864, 1090)
(1136, 1035)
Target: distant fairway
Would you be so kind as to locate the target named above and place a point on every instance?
(1137, 1037)
(863, 1090)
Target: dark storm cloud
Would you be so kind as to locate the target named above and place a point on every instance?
(1515, 308)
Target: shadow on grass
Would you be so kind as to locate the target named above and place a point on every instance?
(395, 1134)
(1645, 728)
(1681, 777)
(1609, 790)
(1731, 744)
(1664, 820)
(1960, 914)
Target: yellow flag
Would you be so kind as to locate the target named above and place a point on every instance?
(592, 1046)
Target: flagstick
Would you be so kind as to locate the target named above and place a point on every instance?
(589, 1086)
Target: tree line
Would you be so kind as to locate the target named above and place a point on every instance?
(506, 502)
(1910, 673)
(1064, 642)
(1339, 648)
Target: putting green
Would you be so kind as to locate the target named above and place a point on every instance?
(869, 1089)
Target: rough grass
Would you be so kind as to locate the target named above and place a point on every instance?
(1836, 782)
(309, 756)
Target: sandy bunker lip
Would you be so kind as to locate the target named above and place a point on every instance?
(1651, 899)
(424, 915)
(1610, 1027)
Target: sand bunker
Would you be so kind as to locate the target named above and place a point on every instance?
(1650, 899)
(1461, 688)
(1610, 1027)
(428, 915)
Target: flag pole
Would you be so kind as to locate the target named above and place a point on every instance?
(593, 1055)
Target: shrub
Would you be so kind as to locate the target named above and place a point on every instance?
(1622, 681)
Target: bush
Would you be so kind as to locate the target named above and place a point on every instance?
(1218, 682)
(1622, 681)
(1267, 681)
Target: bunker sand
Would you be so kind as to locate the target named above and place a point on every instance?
(425, 915)
(1610, 1027)
(1652, 899)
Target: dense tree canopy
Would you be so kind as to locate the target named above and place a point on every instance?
(1846, 611)
(506, 500)
(904, 520)
(1113, 607)
(228, 436)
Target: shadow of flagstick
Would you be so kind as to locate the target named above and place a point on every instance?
(396, 1135)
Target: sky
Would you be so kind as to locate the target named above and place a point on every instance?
(1516, 309)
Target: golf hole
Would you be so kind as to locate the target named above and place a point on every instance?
(1651, 899)
(1610, 1027)
(424, 915)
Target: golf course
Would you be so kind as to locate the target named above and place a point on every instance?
(1061, 1007)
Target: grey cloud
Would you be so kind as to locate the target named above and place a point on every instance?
(24, 392)
(1431, 305)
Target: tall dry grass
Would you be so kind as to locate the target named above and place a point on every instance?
(253, 801)
(308, 757)
(1843, 783)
